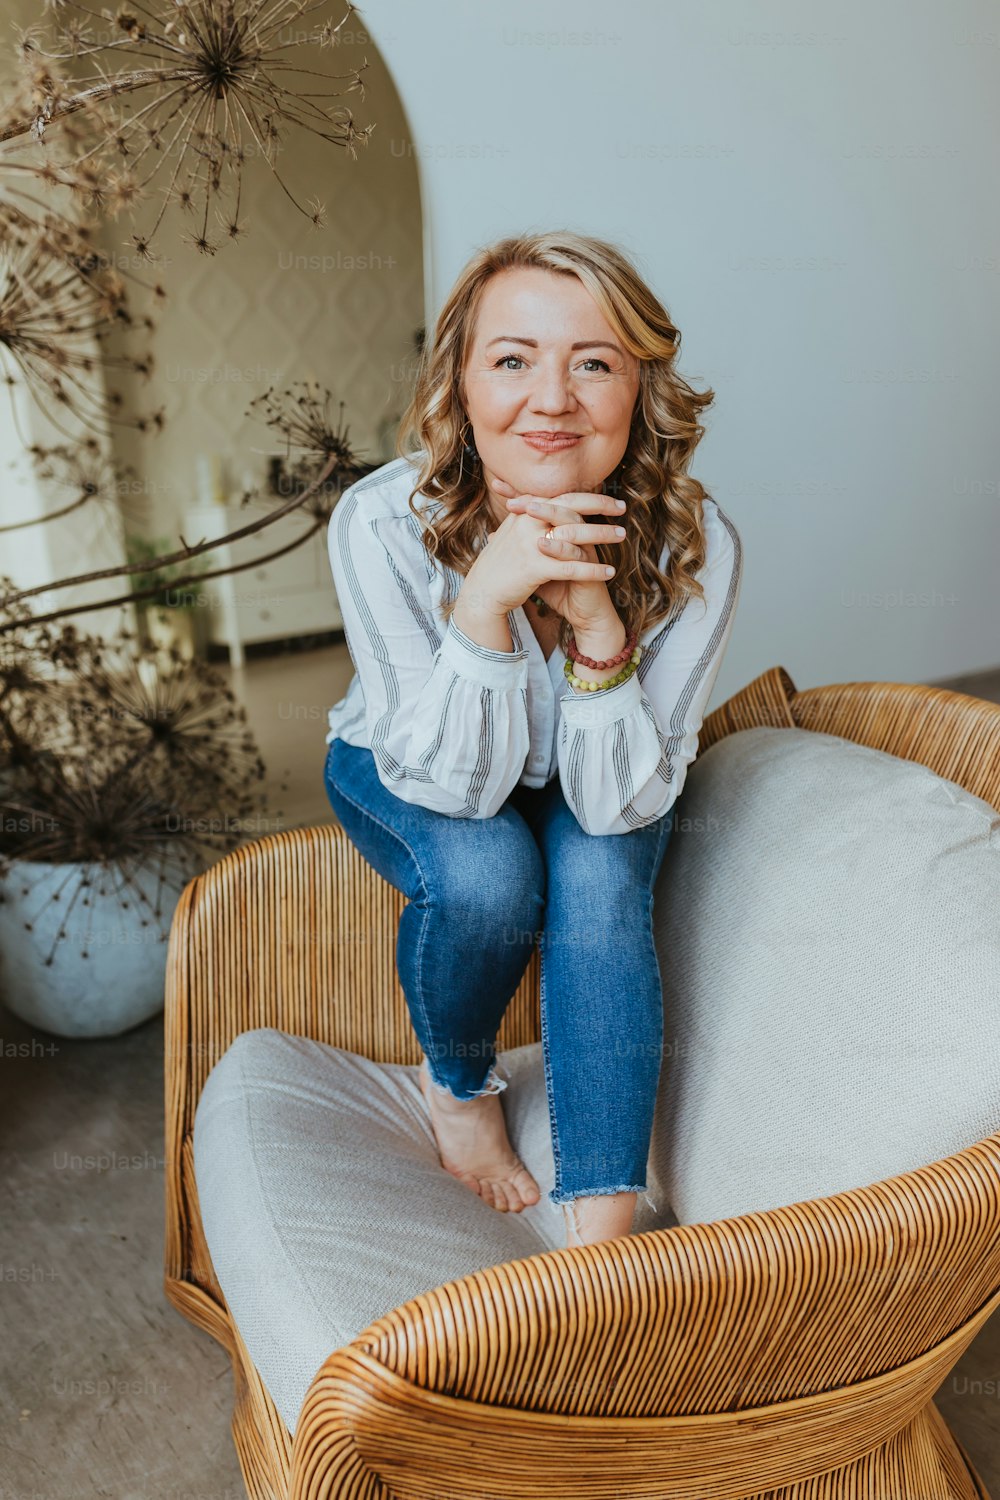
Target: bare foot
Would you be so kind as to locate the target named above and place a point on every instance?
(606, 1216)
(474, 1147)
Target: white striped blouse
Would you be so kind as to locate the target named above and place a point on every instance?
(454, 726)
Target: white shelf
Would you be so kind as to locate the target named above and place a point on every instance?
(289, 596)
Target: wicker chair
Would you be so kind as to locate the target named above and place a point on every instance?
(794, 1351)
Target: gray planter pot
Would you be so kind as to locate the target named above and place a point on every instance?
(120, 983)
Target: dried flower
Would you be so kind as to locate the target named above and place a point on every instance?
(204, 85)
(302, 415)
(59, 301)
(85, 475)
(120, 760)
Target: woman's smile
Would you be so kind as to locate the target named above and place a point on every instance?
(551, 442)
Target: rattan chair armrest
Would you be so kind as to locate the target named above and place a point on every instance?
(827, 1324)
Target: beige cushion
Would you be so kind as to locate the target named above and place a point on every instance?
(827, 927)
(324, 1203)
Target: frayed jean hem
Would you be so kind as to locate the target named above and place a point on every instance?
(496, 1081)
(557, 1199)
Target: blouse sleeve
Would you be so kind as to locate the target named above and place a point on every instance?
(623, 753)
(447, 718)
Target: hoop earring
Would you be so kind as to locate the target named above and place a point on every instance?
(469, 450)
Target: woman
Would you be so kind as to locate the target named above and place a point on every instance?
(536, 602)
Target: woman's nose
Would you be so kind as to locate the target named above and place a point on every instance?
(552, 391)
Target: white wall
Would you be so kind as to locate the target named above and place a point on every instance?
(811, 191)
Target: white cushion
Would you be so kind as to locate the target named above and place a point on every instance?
(826, 924)
(325, 1205)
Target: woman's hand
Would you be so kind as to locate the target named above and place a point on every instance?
(564, 572)
(580, 599)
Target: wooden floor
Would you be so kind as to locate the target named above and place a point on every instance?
(107, 1391)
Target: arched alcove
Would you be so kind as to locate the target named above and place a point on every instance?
(340, 305)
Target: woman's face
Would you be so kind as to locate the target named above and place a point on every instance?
(543, 361)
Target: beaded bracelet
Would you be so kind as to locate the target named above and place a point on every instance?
(613, 661)
(582, 685)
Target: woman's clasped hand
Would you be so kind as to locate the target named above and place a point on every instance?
(562, 569)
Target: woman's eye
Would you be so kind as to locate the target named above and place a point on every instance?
(519, 360)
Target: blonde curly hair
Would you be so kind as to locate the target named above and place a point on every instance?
(664, 501)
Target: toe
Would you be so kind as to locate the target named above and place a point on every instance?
(526, 1187)
(487, 1191)
(470, 1180)
(511, 1196)
(499, 1195)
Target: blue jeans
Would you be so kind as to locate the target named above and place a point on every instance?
(481, 892)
